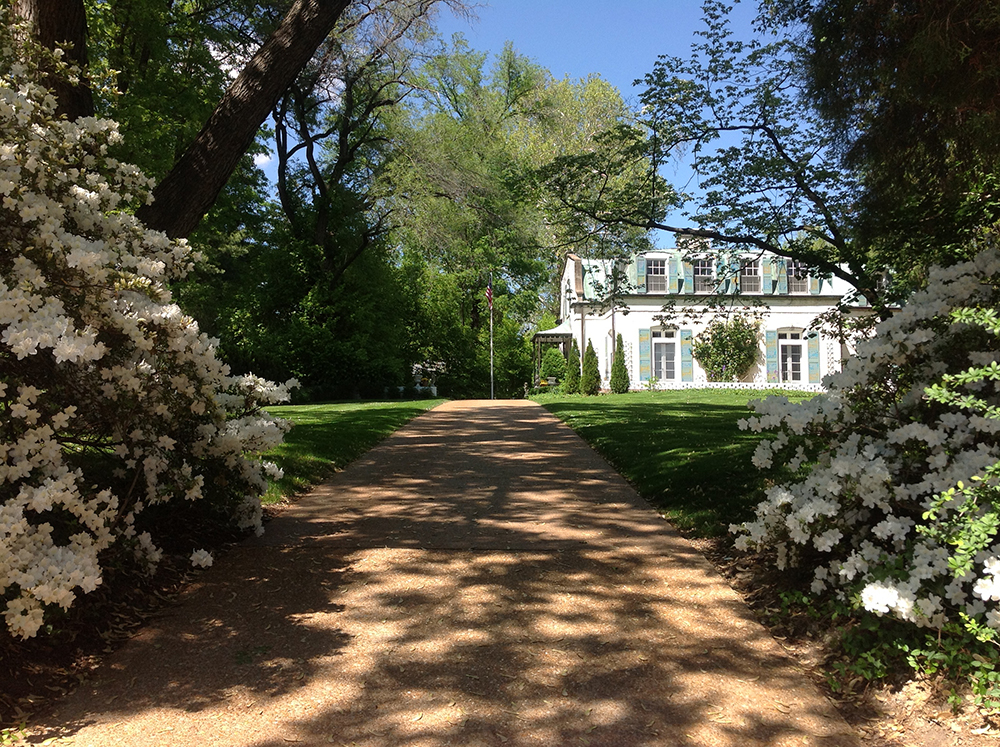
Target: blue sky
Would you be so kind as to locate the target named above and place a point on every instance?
(618, 40)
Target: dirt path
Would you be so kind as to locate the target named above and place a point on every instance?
(480, 578)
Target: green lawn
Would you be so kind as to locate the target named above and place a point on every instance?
(328, 436)
(681, 449)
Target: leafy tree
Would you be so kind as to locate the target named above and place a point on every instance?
(198, 174)
(437, 331)
(340, 341)
(297, 303)
(434, 331)
(590, 375)
(909, 90)
(335, 125)
(513, 361)
(553, 364)
(464, 196)
(571, 385)
(458, 200)
(159, 69)
(575, 183)
(619, 373)
(184, 195)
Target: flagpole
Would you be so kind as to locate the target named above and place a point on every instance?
(491, 335)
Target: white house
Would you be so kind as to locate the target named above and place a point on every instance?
(658, 351)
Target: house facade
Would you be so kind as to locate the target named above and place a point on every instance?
(666, 299)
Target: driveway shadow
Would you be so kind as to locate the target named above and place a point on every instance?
(481, 577)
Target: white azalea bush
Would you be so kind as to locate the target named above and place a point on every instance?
(890, 496)
(111, 400)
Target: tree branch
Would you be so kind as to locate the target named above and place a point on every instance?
(192, 186)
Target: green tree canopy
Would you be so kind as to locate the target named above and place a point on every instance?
(910, 92)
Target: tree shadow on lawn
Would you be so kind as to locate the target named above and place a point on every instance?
(690, 460)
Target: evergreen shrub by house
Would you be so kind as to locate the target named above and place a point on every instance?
(571, 384)
(590, 375)
(553, 364)
(111, 399)
(619, 373)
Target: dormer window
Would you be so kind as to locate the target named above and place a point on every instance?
(749, 276)
(798, 277)
(704, 275)
(656, 276)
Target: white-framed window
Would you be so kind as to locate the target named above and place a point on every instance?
(798, 277)
(749, 276)
(664, 349)
(704, 275)
(790, 354)
(656, 276)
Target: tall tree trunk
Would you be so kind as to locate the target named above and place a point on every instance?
(188, 191)
(62, 23)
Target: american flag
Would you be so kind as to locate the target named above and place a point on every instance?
(489, 294)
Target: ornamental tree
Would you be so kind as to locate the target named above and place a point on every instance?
(571, 385)
(728, 348)
(112, 400)
(888, 487)
(553, 364)
(619, 373)
(590, 374)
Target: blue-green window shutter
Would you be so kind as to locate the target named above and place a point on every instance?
(633, 277)
(687, 360)
(672, 275)
(782, 277)
(688, 277)
(733, 281)
(765, 276)
(814, 285)
(640, 274)
(645, 359)
(814, 376)
(771, 343)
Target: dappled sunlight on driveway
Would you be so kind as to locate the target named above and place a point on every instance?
(480, 578)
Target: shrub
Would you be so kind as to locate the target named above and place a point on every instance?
(553, 364)
(619, 374)
(728, 348)
(571, 385)
(590, 375)
(111, 400)
(890, 492)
